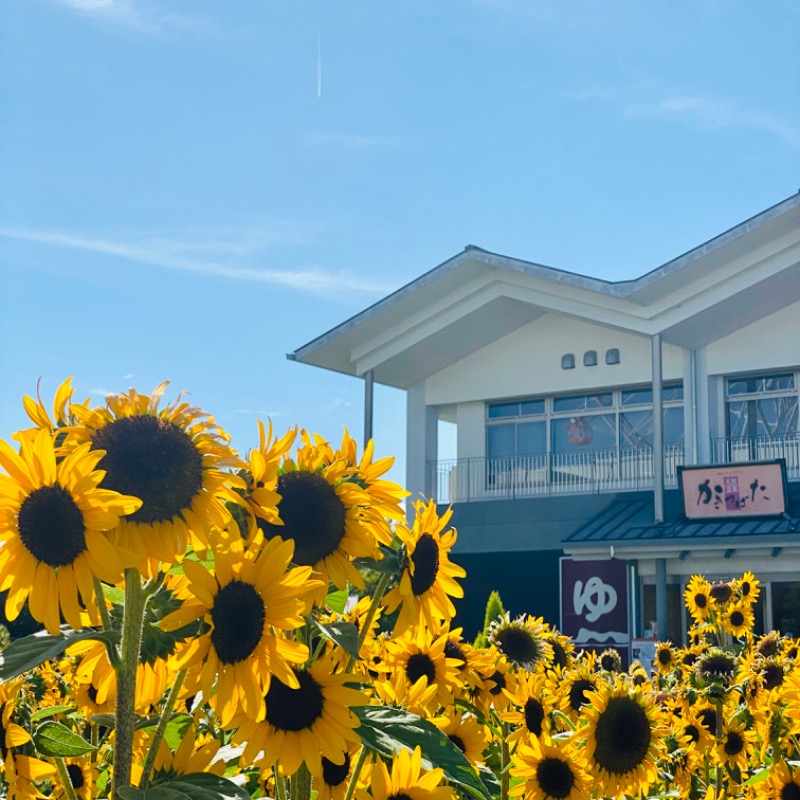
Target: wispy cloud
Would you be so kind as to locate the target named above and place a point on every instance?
(258, 412)
(142, 16)
(100, 392)
(217, 256)
(717, 113)
(349, 141)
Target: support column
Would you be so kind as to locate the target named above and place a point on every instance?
(658, 430)
(703, 410)
(368, 405)
(421, 445)
(661, 598)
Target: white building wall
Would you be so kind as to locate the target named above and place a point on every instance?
(771, 343)
(528, 362)
(470, 419)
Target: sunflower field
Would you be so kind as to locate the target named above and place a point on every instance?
(216, 626)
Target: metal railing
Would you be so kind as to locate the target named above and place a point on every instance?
(760, 448)
(620, 469)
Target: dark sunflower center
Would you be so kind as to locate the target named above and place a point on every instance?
(51, 526)
(664, 657)
(238, 615)
(426, 564)
(708, 719)
(790, 791)
(737, 619)
(700, 600)
(457, 741)
(75, 776)
(721, 592)
(452, 649)
(399, 796)
(577, 693)
(555, 777)
(717, 666)
(689, 659)
(420, 664)
(518, 645)
(622, 736)
(772, 675)
(534, 716)
(313, 516)
(92, 692)
(559, 654)
(294, 710)
(734, 744)
(768, 646)
(693, 732)
(745, 588)
(499, 683)
(609, 662)
(152, 459)
(334, 774)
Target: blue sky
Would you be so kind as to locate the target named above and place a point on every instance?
(191, 189)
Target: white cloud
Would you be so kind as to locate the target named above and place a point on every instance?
(215, 257)
(99, 392)
(144, 17)
(717, 113)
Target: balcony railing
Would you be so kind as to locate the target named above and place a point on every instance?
(468, 479)
(760, 448)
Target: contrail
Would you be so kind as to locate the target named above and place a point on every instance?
(319, 66)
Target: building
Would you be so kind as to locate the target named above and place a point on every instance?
(554, 382)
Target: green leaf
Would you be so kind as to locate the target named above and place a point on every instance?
(345, 634)
(56, 740)
(336, 601)
(760, 776)
(27, 653)
(175, 730)
(389, 730)
(389, 563)
(50, 711)
(197, 786)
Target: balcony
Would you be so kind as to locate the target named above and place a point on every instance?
(617, 470)
(547, 474)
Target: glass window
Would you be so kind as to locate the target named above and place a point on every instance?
(762, 417)
(672, 393)
(501, 441)
(758, 384)
(596, 432)
(636, 397)
(673, 426)
(583, 402)
(636, 429)
(531, 438)
(499, 410)
(532, 408)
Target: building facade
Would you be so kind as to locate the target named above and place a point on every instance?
(576, 401)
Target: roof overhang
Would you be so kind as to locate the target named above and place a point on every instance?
(477, 297)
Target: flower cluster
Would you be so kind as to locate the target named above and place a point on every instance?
(275, 625)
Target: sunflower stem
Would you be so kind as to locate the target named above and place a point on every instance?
(351, 787)
(504, 761)
(280, 783)
(100, 597)
(166, 713)
(301, 783)
(373, 607)
(718, 769)
(132, 625)
(69, 789)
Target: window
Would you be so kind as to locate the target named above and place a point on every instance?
(621, 418)
(762, 406)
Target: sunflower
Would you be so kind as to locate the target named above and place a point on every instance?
(23, 772)
(327, 513)
(563, 649)
(302, 722)
(83, 776)
(698, 598)
(332, 782)
(715, 666)
(38, 413)
(734, 747)
(427, 581)
(665, 660)
(532, 705)
(609, 660)
(422, 677)
(547, 772)
(407, 780)
(246, 602)
(52, 518)
(522, 640)
(496, 684)
(173, 459)
(195, 753)
(624, 736)
(737, 619)
(783, 782)
(572, 687)
(769, 644)
(465, 732)
(747, 588)
(11, 734)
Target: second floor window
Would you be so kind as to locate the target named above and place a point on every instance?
(762, 406)
(620, 418)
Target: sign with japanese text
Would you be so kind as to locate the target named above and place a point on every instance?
(594, 602)
(755, 489)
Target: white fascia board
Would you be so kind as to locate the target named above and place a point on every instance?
(672, 549)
